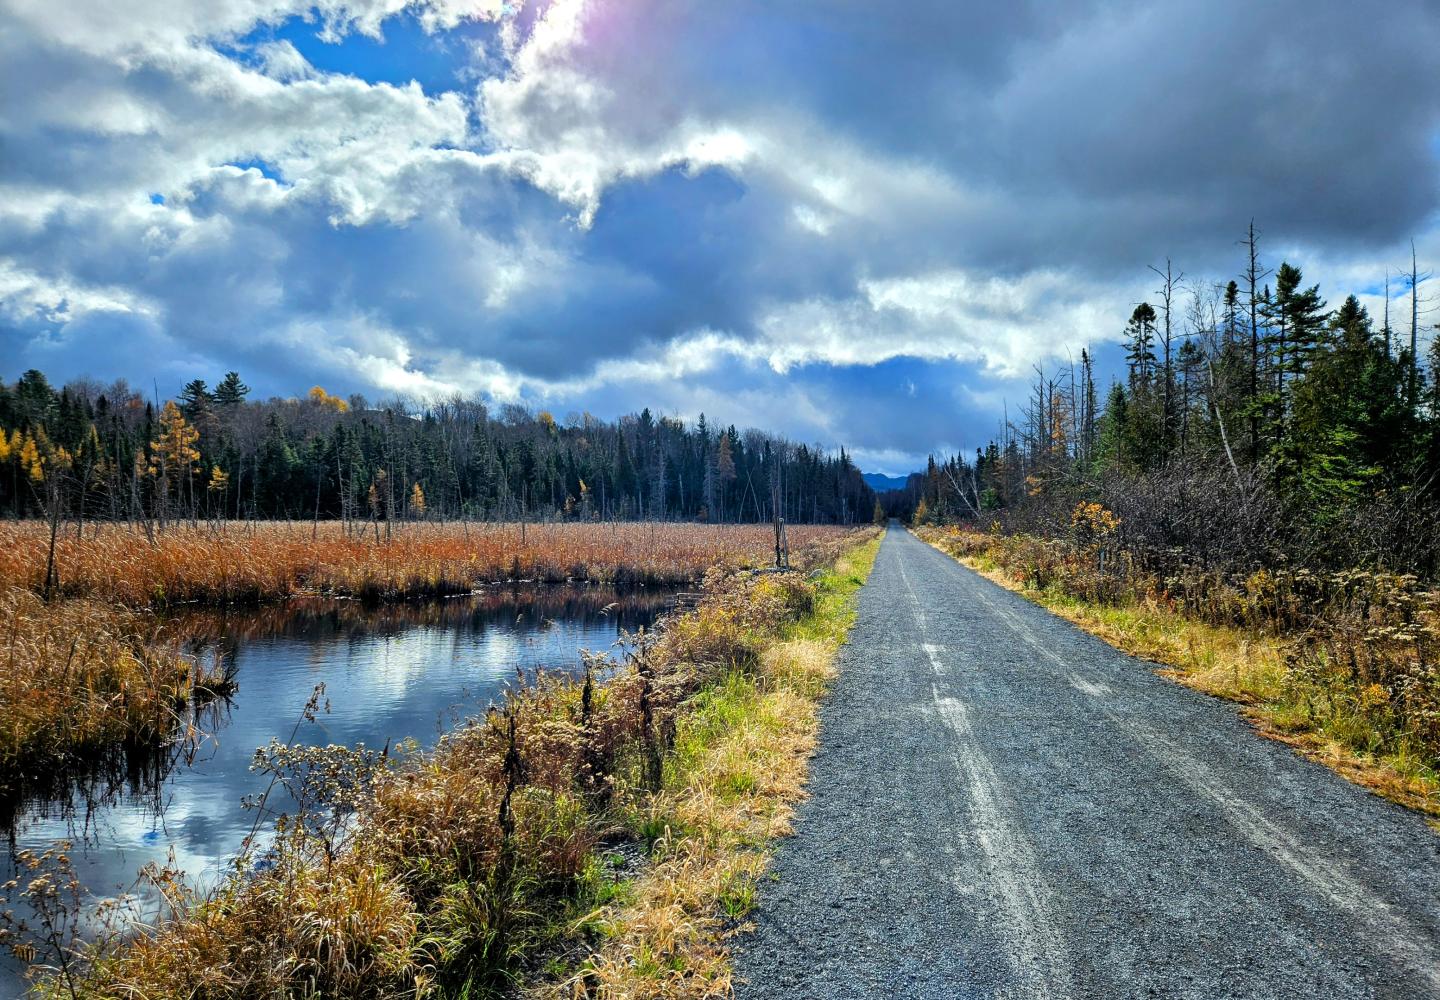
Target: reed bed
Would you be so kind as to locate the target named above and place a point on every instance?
(80, 677)
(447, 873)
(92, 670)
(250, 563)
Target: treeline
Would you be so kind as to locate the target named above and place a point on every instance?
(1256, 425)
(89, 450)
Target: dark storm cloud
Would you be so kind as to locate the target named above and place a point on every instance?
(1159, 125)
(854, 222)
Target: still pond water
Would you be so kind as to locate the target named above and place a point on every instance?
(400, 671)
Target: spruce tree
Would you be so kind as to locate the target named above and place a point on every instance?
(1140, 344)
(231, 391)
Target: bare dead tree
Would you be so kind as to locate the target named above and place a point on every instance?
(1166, 292)
(1253, 275)
(1413, 280)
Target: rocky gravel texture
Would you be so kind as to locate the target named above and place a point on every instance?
(1005, 806)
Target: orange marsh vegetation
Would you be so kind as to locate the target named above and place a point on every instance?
(249, 563)
(80, 677)
(455, 872)
(93, 669)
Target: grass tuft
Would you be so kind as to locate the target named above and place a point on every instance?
(81, 678)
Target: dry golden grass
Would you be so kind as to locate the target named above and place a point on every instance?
(254, 562)
(737, 794)
(332, 928)
(458, 866)
(81, 676)
(1249, 666)
(741, 762)
(85, 672)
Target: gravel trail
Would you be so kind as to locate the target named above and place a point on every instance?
(1005, 806)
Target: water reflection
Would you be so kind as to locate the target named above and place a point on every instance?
(407, 670)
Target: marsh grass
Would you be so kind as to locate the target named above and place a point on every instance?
(1339, 667)
(92, 671)
(81, 678)
(245, 563)
(482, 867)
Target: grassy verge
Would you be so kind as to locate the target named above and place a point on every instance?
(1294, 690)
(489, 864)
(740, 763)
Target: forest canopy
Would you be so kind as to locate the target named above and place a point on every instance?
(93, 450)
(1256, 424)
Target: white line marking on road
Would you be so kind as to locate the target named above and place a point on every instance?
(1331, 878)
(1039, 946)
(1094, 689)
(1038, 949)
(932, 651)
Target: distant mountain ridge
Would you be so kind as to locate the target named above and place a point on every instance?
(879, 482)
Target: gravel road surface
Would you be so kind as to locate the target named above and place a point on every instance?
(1005, 806)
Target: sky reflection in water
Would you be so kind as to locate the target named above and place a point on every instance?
(389, 673)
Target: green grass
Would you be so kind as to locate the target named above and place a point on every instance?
(739, 895)
(835, 600)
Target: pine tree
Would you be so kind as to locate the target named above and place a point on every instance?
(35, 401)
(1255, 405)
(1232, 313)
(1191, 360)
(1112, 448)
(1140, 344)
(231, 392)
(1300, 323)
(1087, 420)
(195, 400)
(1348, 418)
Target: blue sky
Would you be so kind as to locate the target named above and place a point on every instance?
(856, 224)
